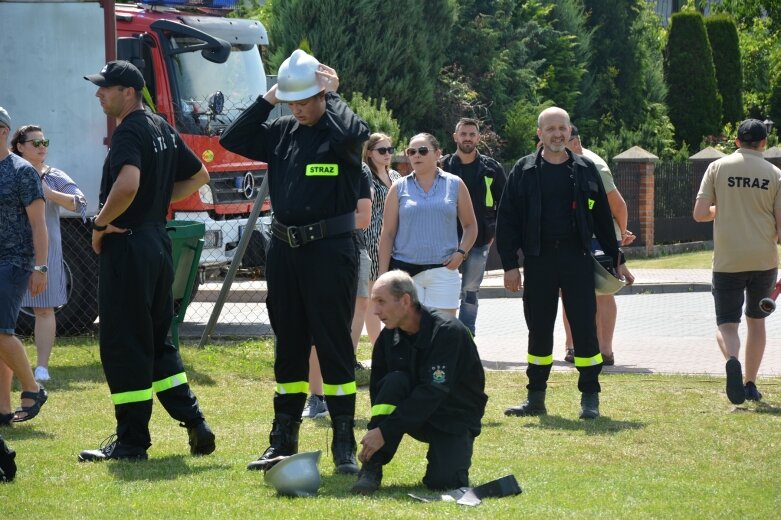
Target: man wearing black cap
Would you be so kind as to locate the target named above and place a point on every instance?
(741, 194)
(148, 166)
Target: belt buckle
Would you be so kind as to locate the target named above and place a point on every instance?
(294, 236)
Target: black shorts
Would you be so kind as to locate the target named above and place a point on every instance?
(728, 293)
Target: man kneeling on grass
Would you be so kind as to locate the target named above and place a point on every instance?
(426, 381)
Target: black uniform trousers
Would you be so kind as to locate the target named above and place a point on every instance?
(449, 455)
(136, 309)
(311, 297)
(561, 265)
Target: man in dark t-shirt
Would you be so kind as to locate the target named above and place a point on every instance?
(148, 166)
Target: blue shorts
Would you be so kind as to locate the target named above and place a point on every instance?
(730, 290)
(13, 285)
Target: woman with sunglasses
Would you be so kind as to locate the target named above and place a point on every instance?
(419, 230)
(59, 190)
(377, 155)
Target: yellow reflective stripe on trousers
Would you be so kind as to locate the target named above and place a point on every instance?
(343, 389)
(298, 387)
(169, 382)
(588, 361)
(134, 396)
(489, 197)
(382, 409)
(540, 360)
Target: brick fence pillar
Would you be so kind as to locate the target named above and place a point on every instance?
(700, 162)
(640, 163)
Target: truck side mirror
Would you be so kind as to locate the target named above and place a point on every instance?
(131, 49)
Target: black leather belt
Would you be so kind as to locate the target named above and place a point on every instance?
(296, 236)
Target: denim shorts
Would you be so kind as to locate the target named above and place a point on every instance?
(13, 285)
(730, 289)
(364, 271)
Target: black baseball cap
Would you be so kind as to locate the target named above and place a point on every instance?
(752, 131)
(118, 73)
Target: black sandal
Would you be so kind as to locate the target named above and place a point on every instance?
(40, 397)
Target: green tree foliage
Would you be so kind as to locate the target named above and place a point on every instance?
(723, 38)
(377, 115)
(397, 58)
(693, 100)
(619, 73)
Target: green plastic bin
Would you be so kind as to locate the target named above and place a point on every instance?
(186, 246)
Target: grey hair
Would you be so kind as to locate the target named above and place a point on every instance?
(400, 283)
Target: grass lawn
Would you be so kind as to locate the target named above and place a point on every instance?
(666, 447)
(693, 260)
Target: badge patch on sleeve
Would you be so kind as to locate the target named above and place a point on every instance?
(438, 374)
(322, 170)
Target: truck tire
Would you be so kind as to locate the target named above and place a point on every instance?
(81, 277)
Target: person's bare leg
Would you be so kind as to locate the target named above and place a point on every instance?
(6, 376)
(361, 304)
(607, 311)
(567, 332)
(315, 376)
(755, 347)
(450, 311)
(728, 339)
(373, 323)
(13, 354)
(45, 333)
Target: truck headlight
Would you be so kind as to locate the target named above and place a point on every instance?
(212, 239)
(205, 194)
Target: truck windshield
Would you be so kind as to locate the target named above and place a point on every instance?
(240, 80)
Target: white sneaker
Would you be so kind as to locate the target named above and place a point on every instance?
(315, 408)
(41, 374)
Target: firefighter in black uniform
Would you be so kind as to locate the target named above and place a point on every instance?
(314, 168)
(427, 381)
(553, 201)
(148, 166)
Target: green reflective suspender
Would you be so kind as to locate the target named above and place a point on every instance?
(489, 197)
(148, 99)
(588, 361)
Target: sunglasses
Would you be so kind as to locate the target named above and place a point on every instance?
(38, 142)
(423, 151)
(383, 151)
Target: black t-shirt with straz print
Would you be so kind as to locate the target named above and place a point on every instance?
(556, 187)
(148, 142)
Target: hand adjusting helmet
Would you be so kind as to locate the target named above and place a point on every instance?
(296, 475)
(296, 79)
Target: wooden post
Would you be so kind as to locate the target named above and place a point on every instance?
(641, 163)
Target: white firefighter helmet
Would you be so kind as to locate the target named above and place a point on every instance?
(604, 281)
(296, 79)
(296, 475)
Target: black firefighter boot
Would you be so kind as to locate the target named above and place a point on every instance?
(283, 441)
(343, 445)
(533, 405)
(589, 405)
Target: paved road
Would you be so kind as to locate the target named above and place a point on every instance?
(665, 324)
(656, 333)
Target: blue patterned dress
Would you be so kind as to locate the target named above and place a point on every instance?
(55, 293)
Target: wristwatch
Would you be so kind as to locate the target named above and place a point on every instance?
(95, 225)
(41, 268)
(459, 250)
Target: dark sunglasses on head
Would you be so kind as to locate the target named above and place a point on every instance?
(383, 151)
(423, 150)
(38, 142)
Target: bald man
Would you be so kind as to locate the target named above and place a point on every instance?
(553, 202)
